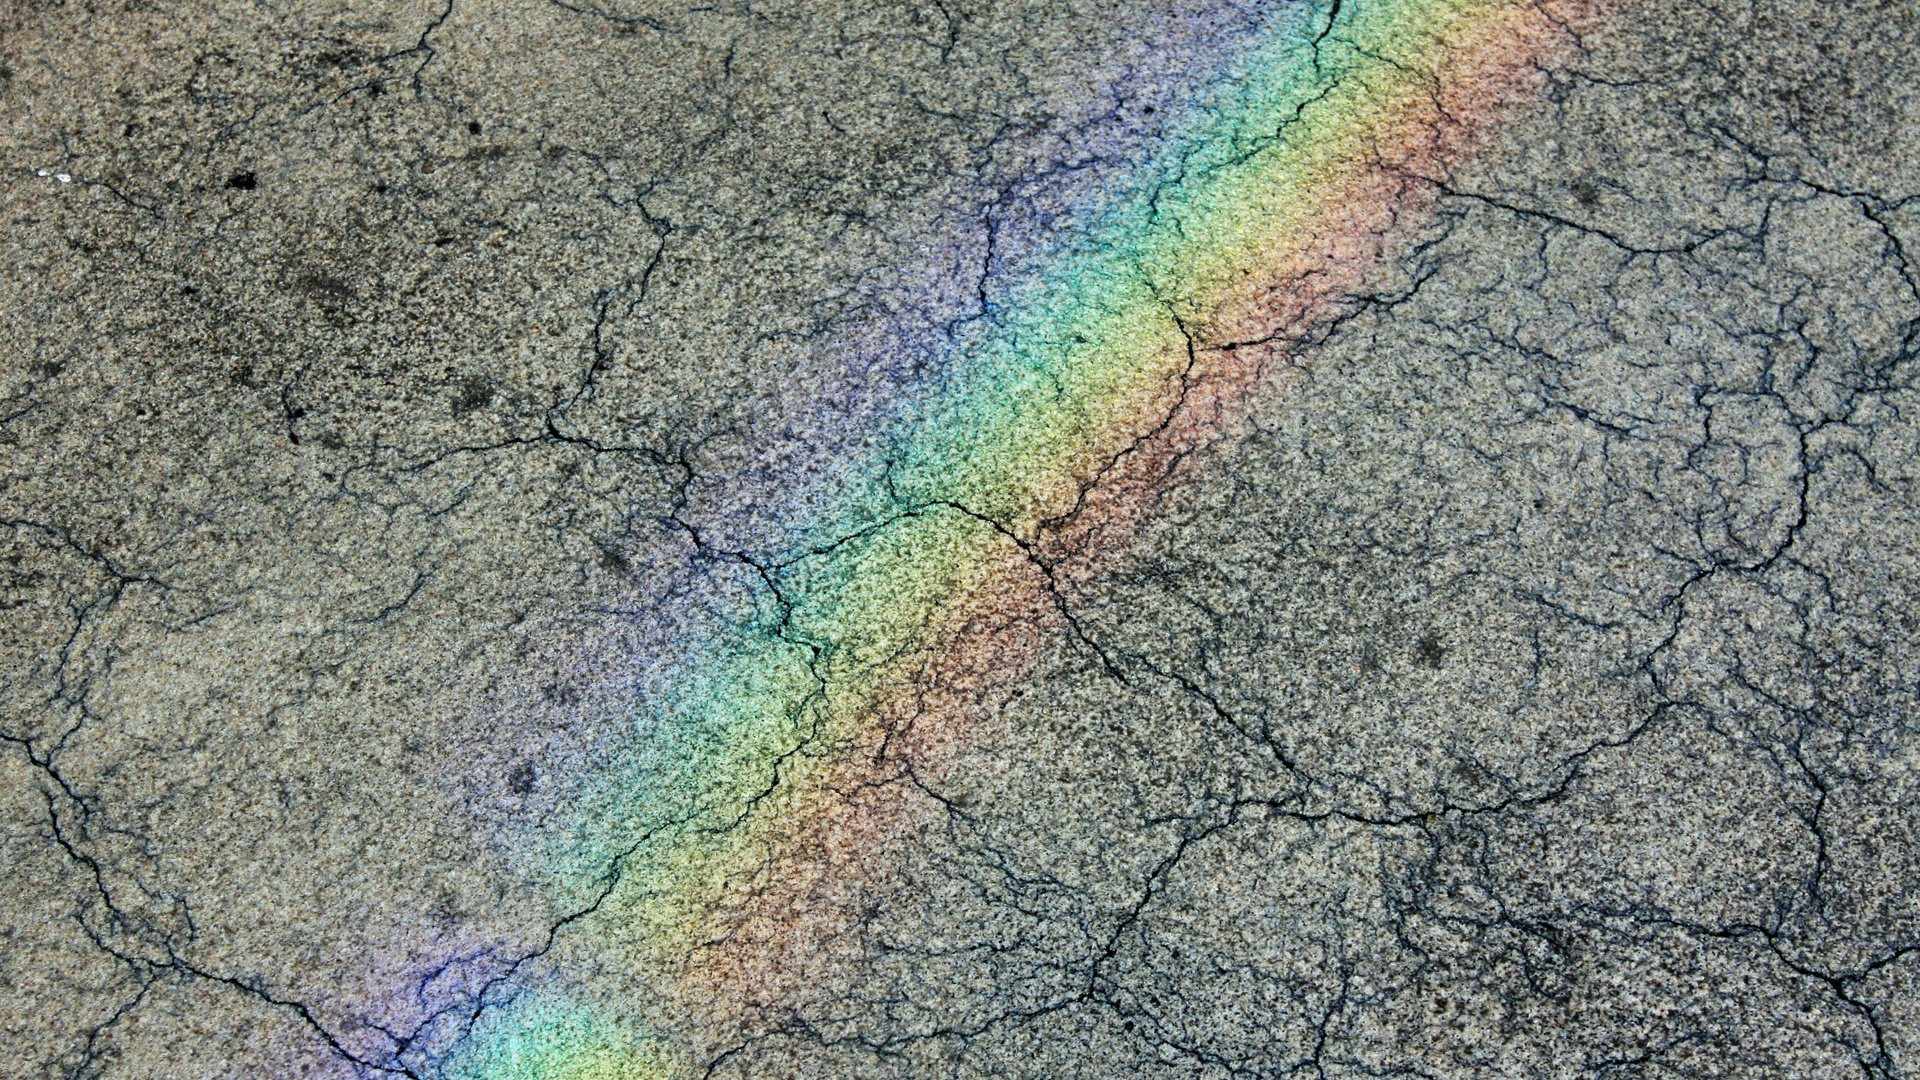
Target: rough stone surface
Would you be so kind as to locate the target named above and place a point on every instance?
(1531, 691)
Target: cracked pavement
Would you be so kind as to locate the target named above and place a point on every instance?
(1527, 687)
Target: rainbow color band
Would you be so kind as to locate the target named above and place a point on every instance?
(775, 765)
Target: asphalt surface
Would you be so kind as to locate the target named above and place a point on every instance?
(1525, 688)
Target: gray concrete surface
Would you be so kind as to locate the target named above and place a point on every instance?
(1531, 692)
